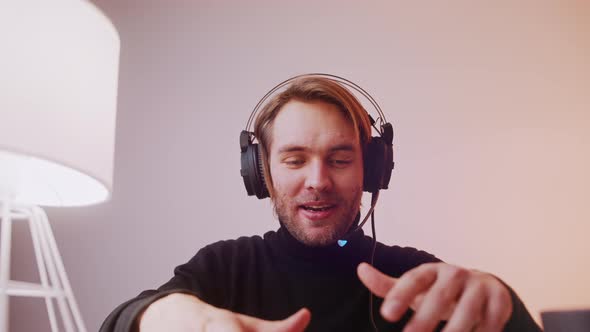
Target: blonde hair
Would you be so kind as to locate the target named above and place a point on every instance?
(309, 89)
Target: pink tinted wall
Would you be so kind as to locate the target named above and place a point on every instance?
(489, 101)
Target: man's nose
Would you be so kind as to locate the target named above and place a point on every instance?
(318, 176)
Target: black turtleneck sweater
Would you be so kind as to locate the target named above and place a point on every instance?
(272, 277)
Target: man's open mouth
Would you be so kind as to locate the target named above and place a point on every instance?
(317, 208)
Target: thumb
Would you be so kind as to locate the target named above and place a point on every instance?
(377, 282)
(296, 322)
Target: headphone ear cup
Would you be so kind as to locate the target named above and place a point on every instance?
(378, 165)
(252, 172)
(371, 170)
(260, 180)
(388, 164)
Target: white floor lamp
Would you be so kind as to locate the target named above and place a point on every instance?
(58, 88)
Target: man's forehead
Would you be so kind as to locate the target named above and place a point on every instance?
(309, 116)
(307, 125)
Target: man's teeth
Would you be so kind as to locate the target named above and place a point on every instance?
(317, 208)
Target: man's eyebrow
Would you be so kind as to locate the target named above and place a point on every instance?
(298, 148)
(342, 147)
(291, 148)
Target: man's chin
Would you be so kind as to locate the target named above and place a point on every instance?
(317, 242)
(315, 236)
(315, 233)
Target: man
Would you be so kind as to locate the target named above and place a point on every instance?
(313, 141)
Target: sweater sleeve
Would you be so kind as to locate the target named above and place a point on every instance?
(123, 318)
(201, 276)
(520, 320)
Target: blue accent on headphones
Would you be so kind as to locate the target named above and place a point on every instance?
(342, 243)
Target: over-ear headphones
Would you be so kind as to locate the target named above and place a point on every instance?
(378, 155)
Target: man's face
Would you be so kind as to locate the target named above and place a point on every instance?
(317, 171)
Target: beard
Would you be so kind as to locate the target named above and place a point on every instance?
(323, 232)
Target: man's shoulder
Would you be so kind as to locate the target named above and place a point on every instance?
(237, 246)
(404, 251)
(397, 260)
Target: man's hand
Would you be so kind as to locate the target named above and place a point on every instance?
(468, 300)
(183, 313)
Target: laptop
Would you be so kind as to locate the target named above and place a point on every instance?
(566, 320)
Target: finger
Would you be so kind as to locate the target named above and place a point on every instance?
(469, 310)
(407, 291)
(377, 282)
(296, 322)
(440, 297)
(498, 309)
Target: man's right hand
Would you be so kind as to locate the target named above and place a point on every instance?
(186, 313)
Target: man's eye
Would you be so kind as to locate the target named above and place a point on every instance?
(341, 162)
(293, 162)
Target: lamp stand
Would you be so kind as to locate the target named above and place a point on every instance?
(54, 281)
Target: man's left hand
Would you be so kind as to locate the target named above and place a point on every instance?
(468, 300)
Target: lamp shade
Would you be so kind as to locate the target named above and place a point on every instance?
(58, 89)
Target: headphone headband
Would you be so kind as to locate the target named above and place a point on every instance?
(335, 78)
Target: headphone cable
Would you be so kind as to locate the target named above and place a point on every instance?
(371, 313)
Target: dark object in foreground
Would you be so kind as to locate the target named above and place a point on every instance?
(566, 320)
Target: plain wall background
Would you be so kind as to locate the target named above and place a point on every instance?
(489, 102)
